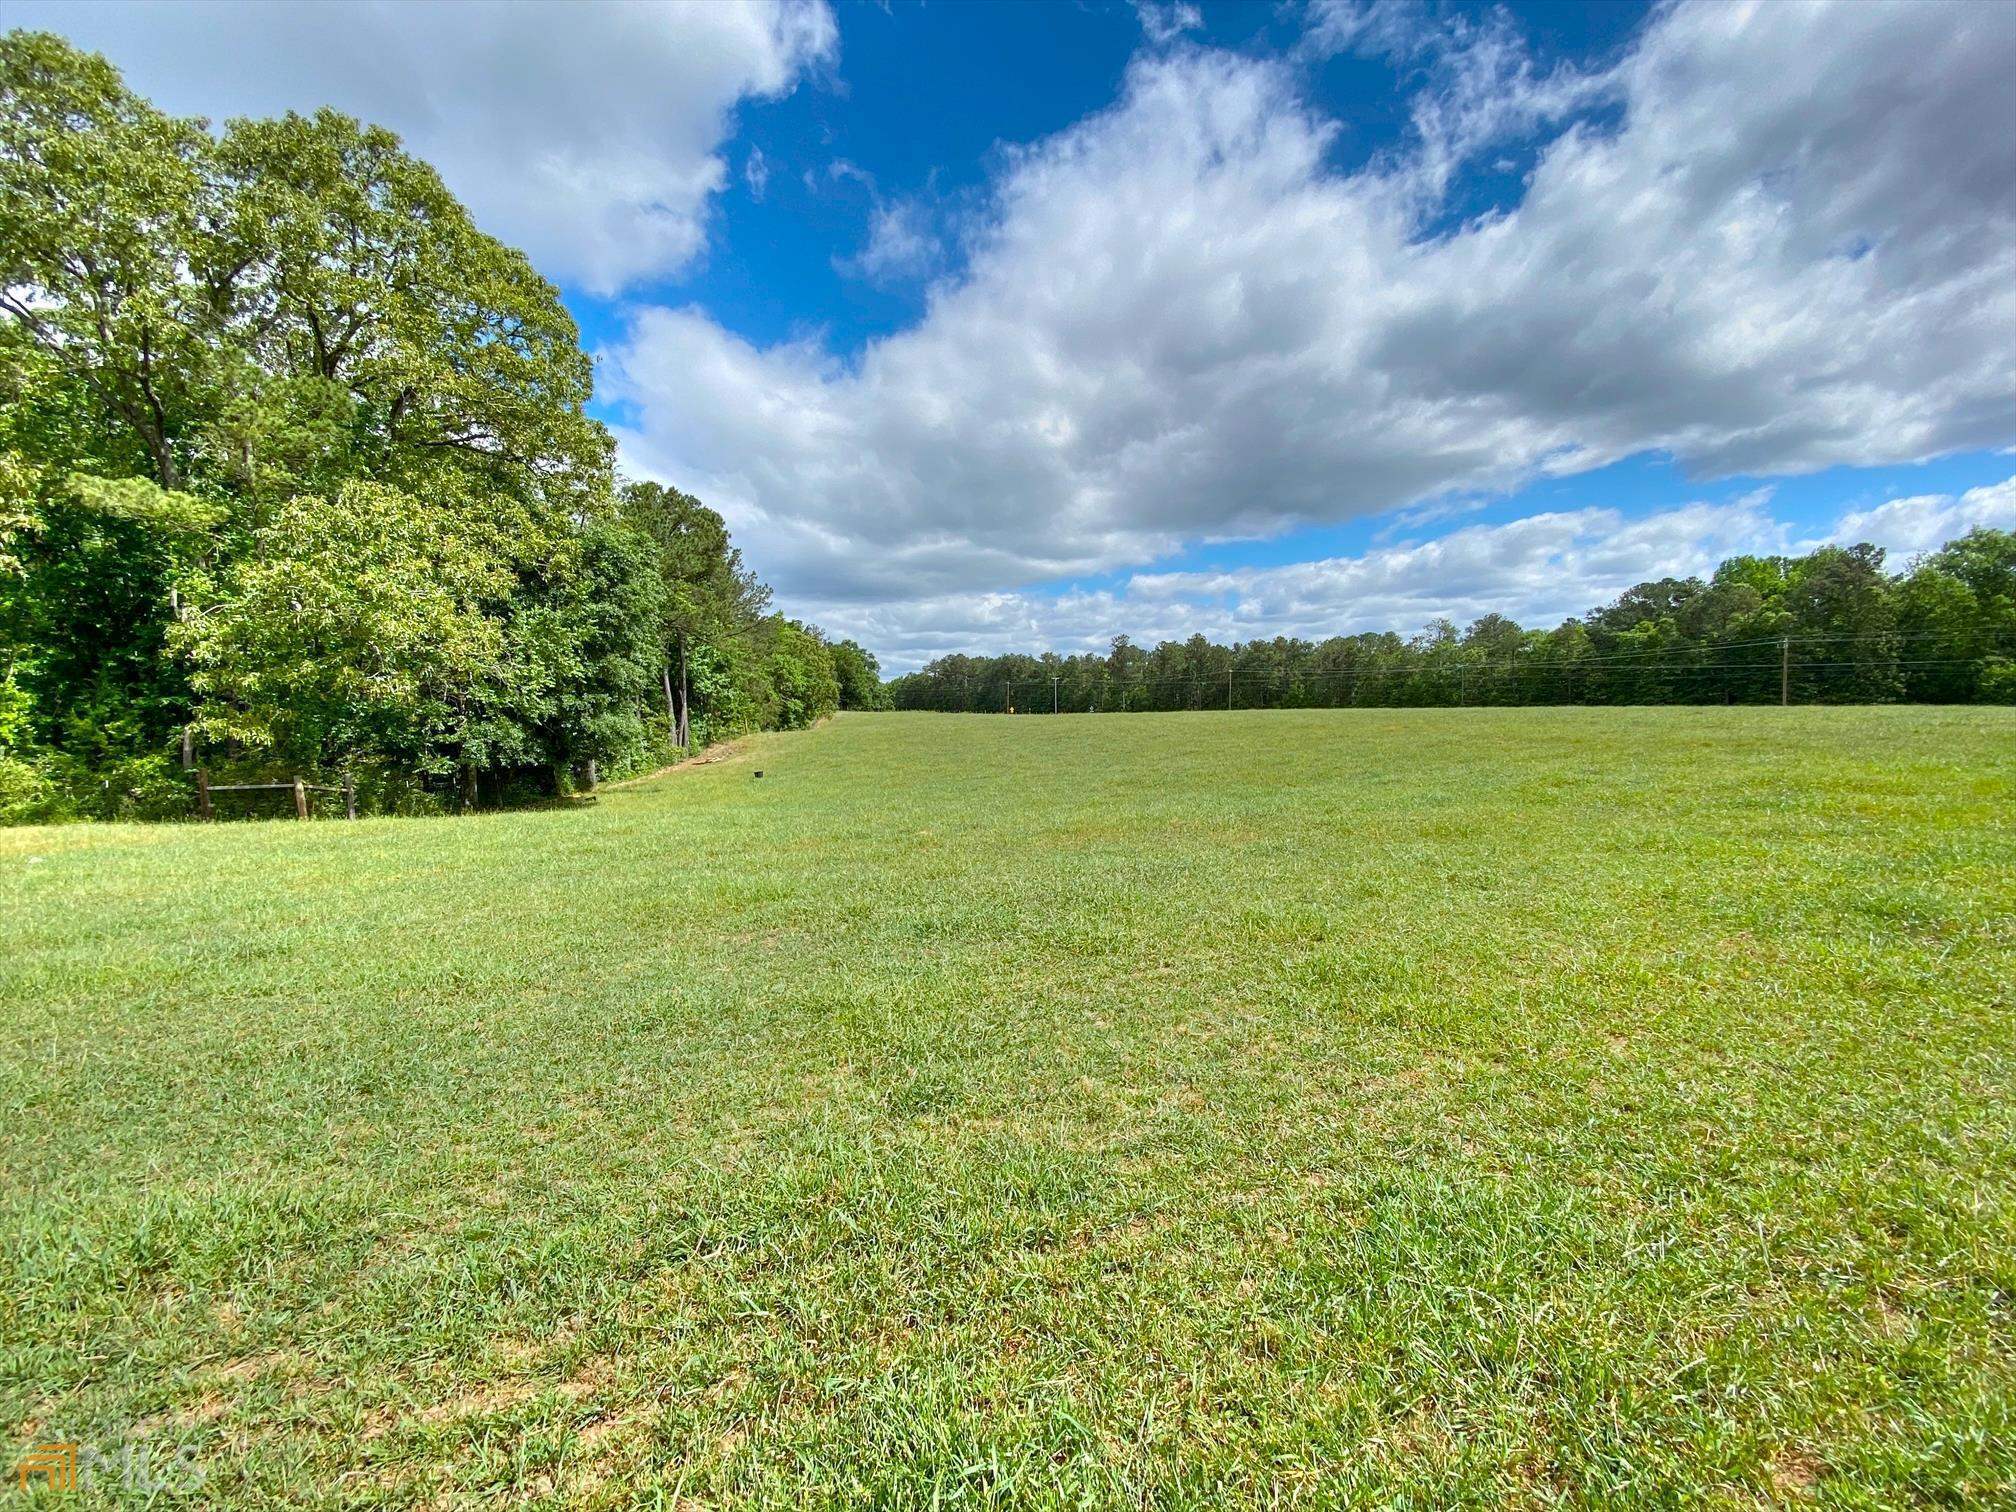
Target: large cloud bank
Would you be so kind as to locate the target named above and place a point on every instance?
(1770, 238)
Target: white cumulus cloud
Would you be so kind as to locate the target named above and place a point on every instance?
(1539, 570)
(587, 134)
(1906, 527)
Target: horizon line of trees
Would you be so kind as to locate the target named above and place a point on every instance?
(296, 475)
(1831, 626)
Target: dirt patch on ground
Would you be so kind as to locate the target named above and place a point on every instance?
(1794, 1474)
(713, 753)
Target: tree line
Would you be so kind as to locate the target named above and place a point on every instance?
(296, 474)
(1829, 626)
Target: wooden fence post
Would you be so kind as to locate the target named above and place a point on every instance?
(349, 796)
(203, 795)
(300, 799)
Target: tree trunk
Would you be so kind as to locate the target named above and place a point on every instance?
(685, 725)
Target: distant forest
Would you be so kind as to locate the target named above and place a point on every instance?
(296, 478)
(1829, 627)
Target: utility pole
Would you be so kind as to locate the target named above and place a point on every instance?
(1053, 695)
(1785, 672)
(1228, 690)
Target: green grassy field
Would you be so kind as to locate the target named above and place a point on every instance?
(1332, 1107)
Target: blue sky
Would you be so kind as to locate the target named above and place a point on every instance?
(995, 325)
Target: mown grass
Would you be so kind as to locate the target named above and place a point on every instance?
(1343, 1107)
